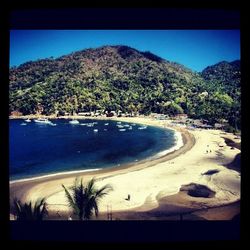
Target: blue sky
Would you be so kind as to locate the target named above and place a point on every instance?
(196, 49)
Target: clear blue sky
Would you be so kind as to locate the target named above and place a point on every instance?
(196, 49)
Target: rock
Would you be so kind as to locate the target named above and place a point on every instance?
(198, 190)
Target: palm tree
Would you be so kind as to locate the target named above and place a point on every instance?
(84, 200)
(26, 211)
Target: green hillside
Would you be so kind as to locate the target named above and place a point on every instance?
(123, 78)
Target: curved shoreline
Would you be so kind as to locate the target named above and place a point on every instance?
(179, 142)
(19, 188)
(154, 182)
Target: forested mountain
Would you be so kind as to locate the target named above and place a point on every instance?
(225, 77)
(123, 78)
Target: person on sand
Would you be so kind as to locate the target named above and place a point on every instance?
(128, 197)
(70, 218)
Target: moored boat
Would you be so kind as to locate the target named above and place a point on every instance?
(74, 122)
(42, 120)
(142, 127)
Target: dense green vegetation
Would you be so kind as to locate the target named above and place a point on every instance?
(122, 78)
(224, 79)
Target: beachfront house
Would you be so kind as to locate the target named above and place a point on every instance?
(16, 113)
(84, 114)
(219, 126)
(180, 117)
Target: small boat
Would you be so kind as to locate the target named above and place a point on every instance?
(106, 124)
(74, 122)
(53, 124)
(42, 120)
(118, 122)
(142, 127)
(130, 128)
(126, 125)
(95, 130)
(28, 120)
(90, 125)
(120, 126)
(122, 129)
(23, 124)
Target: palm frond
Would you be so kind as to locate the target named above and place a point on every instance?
(84, 199)
(90, 187)
(44, 210)
(40, 209)
(70, 199)
(95, 206)
(103, 191)
(16, 206)
(88, 209)
(28, 212)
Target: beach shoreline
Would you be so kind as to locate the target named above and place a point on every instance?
(165, 170)
(180, 141)
(187, 143)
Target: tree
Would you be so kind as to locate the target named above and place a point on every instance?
(27, 211)
(174, 109)
(84, 200)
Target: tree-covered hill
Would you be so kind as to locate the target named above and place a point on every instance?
(122, 78)
(225, 77)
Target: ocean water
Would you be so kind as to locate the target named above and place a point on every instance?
(41, 149)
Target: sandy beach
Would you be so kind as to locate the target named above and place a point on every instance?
(154, 185)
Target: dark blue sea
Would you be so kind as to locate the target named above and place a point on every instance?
(42, 149)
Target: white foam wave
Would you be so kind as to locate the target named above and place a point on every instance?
(55, 174)
(178, 145)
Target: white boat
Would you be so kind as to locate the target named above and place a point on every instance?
(120, 126)
(122, 129)
(90, 125)
(95, 130)
(130, 128)
(106, 124)
(23, 124)
(143, 127)
(53, 124)
(28, 120)
(42, 120)
(74, 122)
